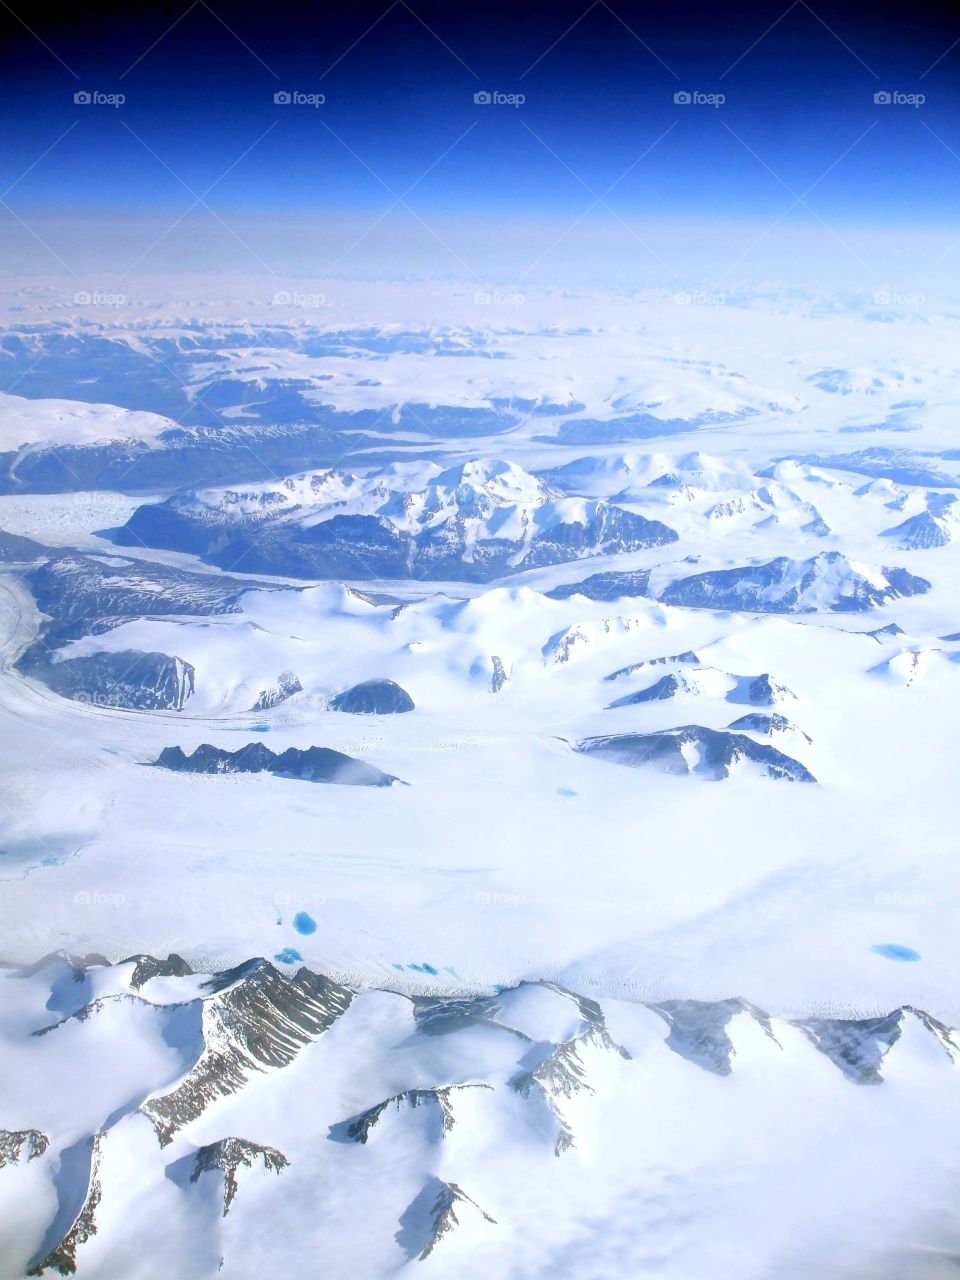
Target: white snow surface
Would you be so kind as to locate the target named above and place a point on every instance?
(510, 857)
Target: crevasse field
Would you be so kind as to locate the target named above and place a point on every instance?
(479, 787)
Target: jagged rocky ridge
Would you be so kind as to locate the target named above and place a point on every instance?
(310, 764)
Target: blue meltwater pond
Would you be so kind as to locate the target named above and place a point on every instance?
(894, 951)
(289, 955)
(304, 923)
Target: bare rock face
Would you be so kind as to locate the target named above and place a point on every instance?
(259, 1023)
(230, 1154)
(19, 1144)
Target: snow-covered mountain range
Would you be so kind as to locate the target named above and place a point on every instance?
(454, 1135)
(473, 522)
(530, 743)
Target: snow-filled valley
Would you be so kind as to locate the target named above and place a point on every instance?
(532, 748)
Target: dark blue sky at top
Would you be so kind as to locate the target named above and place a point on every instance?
(398, 100)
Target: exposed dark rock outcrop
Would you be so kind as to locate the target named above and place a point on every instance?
(859, 1046)
(768, 725)
(604, 586)
(560, 1072)
(698, 1030)
(433, 1215)
(147, 967)
(230, 1154)
(688, 658)
(17, 1144)
(666, 687)
(129, 679)
(259, 1022)
(88, 594)
(922, 532)
(60, 1253)
(287, 685)
(827, 582)
(765, 692)
(373, 698)
(358, 1128)
(499, 675)
(15, 549)
(310, 764)
(695, 750)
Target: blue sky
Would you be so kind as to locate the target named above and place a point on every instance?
(599, 118)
